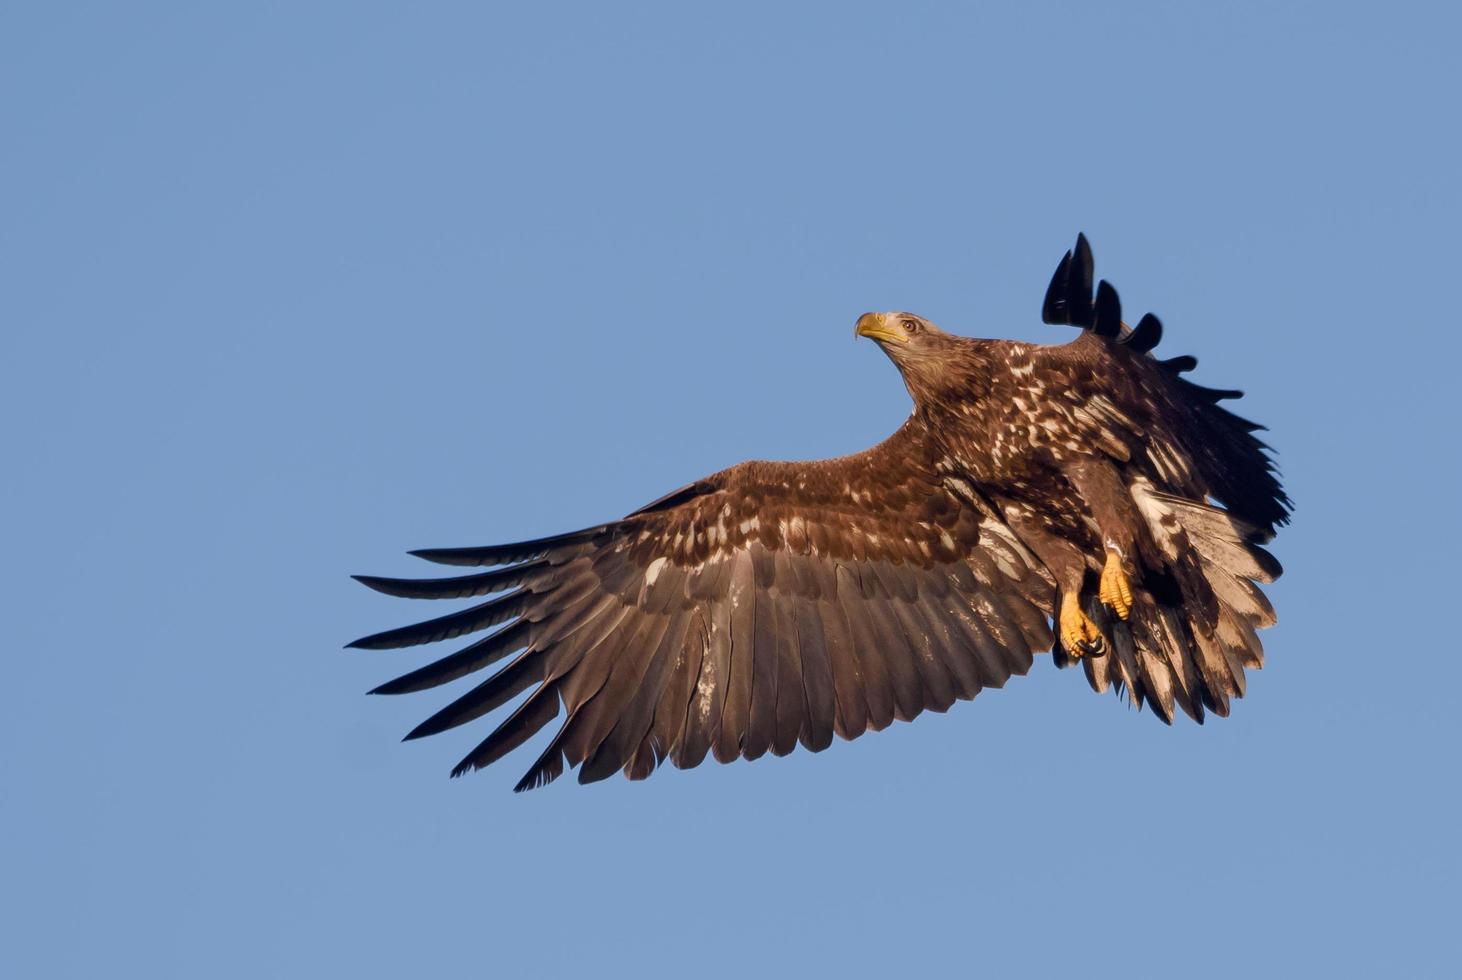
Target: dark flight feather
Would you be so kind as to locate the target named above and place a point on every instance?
(528, 720)
(1053, 308)
(1068, 297)
(1145, 336)
(1078, 291)
(1107, 321)
(483, 652)
(509, 554)
(480, 617)
(458, 587)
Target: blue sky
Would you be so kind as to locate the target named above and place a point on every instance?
(290, 289)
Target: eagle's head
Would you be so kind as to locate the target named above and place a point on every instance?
(921, 351)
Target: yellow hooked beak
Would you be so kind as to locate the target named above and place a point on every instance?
(881, 327)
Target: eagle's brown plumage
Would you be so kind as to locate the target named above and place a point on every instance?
(778, 603)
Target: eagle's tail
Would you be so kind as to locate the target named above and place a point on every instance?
(1193, 627)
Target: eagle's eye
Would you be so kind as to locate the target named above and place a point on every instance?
(911, 326)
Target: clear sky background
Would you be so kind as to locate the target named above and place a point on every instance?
(291, 288)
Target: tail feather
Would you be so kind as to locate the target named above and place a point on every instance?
(1193, 628)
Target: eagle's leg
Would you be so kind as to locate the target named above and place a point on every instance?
(1067, 565)
(1078, 633)
(1115, 592)
(1106, 495)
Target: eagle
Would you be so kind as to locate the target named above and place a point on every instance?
(1082, 498)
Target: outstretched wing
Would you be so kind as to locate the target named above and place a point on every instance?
(767, 605)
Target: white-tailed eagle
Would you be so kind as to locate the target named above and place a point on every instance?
(1082, 498)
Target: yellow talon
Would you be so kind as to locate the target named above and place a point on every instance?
(1115, 593)
(1079, 635)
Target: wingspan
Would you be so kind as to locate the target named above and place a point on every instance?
(768, 605)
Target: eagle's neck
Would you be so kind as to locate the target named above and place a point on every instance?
(962, 404)
(959, 376)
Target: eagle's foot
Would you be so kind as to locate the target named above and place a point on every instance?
(1079, 635)
(1115, 593)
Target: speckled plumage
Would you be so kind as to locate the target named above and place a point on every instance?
(773, 604)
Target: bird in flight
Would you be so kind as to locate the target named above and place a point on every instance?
(1081, 498)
